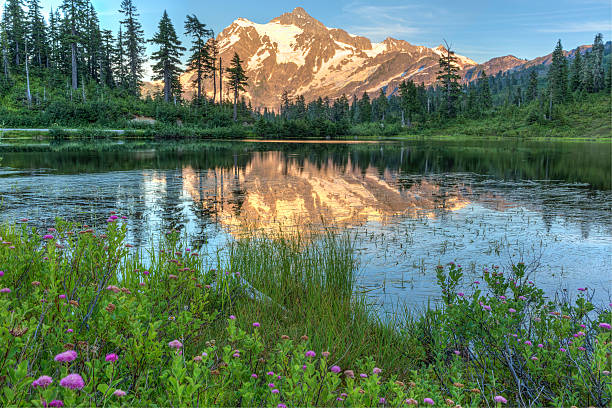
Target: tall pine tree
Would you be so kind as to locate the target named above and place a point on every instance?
(133, 46)
(409, 101)
(597, 54)
(167, 56)
(532, 88)
(486, 102)
(73, 16)
(211, 62)
(237, 80)
(575, 81)
(37, 34)
(557, 76)
(449, 81)
(199, 59)
(14, 23)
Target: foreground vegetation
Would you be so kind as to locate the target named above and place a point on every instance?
(86, 319)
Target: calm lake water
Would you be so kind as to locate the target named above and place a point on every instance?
(408, 205)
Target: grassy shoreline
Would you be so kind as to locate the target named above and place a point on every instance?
(179, 327)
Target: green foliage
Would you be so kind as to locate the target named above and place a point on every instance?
(200, 56)
(167, 68)
(131, 47)
(237, 80)
(154, 329)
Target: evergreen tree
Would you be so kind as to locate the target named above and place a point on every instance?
(486, 102)
(557, 76)
(120, 67)
(382, 105)
(92, 43)
(285, 104)
(575, 82)
(14, 23)
(597, 53)
(4, 48)
(300, 107)
(37, 34)
(354, 112)
(409, 101)
(237, 80)
(168, 56)
(532, 89)
(106, 58)
(449, 81)
(72, 10)
(199, 59)
(609, 76)
(54, 39)
(133, 45)
(212, 51)
(365, 108)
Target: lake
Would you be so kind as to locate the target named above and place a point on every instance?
(408, 205)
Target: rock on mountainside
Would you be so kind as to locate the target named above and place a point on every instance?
(297, 53)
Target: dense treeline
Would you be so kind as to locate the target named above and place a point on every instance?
(68, 71)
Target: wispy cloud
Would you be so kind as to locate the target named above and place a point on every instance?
(388, 20)
(586, 27)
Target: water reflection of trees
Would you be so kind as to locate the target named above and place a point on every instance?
(459, 168)
(277, 193)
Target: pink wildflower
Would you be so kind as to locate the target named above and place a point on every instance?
(111, 357)
(72, 381)
(5, 290)
(429, 401)
(605, 326)
(256, 324)
(499, 398)
(42, 381)
(310, 353)
(66, 356)
(119, 393)
(175, 344)
(335, 369)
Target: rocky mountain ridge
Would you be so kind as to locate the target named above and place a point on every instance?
(298, 54)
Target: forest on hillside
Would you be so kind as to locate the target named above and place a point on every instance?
(68, 71)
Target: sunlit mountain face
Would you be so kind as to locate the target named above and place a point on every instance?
(278, 195)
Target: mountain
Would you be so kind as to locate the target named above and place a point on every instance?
(297, 53)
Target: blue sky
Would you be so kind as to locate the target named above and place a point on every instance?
(479, 29)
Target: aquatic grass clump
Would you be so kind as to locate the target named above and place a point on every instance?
(306, 285)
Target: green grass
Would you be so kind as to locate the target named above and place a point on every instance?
(589, 118)
(310, 289)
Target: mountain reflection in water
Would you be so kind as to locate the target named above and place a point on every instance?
(273, 194)
(408, 205)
